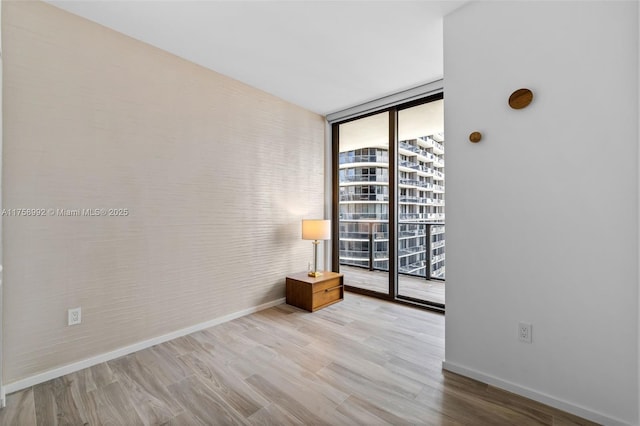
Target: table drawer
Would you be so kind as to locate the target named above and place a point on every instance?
(327, 296)
(313, 293)
(326, 285)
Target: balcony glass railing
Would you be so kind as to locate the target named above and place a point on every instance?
(421, 216)
(364, 159)
(409, 234)
(410, 147)
(438, 146)
(356, 236)
(364, 178)
(410, 165)
(364, 197)
(411, 250)
(435, 230)
(422, 253)
(363, 217)
(437, 244)
(416, 182)
(421, 200)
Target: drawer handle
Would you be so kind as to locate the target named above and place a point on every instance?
(332, 288)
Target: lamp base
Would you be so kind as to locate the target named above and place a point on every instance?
(314, 274)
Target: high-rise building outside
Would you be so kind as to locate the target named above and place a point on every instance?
(364, 206)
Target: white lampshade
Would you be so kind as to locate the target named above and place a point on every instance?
(316, 229)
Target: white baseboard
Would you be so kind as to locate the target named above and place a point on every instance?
(126, 350)
(534, 395)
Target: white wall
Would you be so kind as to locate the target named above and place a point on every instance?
(542, 214)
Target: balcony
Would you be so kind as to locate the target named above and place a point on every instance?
(426, 171)
(411, 234)
(354, 236)
(364, 197)
(408, 147)
(364, 256)
(363, 178)
(421, 216)
(410, 165)
(364, 217)
(426, 142)
(439, 273)
(409, 286)
(437, 244)
(416, 200)
(438, 148)
(416, 183)
(379, 242)
(437, 230)
(364, 159)
(412, 269)
(411, 250)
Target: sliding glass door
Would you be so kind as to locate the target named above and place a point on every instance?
(363, 163)
(389, 202)
(420, 206)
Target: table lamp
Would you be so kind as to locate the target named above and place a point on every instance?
(316, 230)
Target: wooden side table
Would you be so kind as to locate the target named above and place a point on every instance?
(313, 293)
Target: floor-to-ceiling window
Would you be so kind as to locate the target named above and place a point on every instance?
(363, 194)
(420, 203)
(389, 195)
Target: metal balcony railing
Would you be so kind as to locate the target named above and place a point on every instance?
(423, 245)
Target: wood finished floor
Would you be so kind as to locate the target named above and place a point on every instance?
(362, 361)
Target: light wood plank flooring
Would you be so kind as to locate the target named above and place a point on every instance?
(359, 362)
(415, 287)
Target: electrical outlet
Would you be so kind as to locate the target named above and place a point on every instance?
(524, 332)
(75, 316)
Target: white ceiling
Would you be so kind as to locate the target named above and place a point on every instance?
(322, 55)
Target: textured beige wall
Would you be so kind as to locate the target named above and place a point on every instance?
(216, 176)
